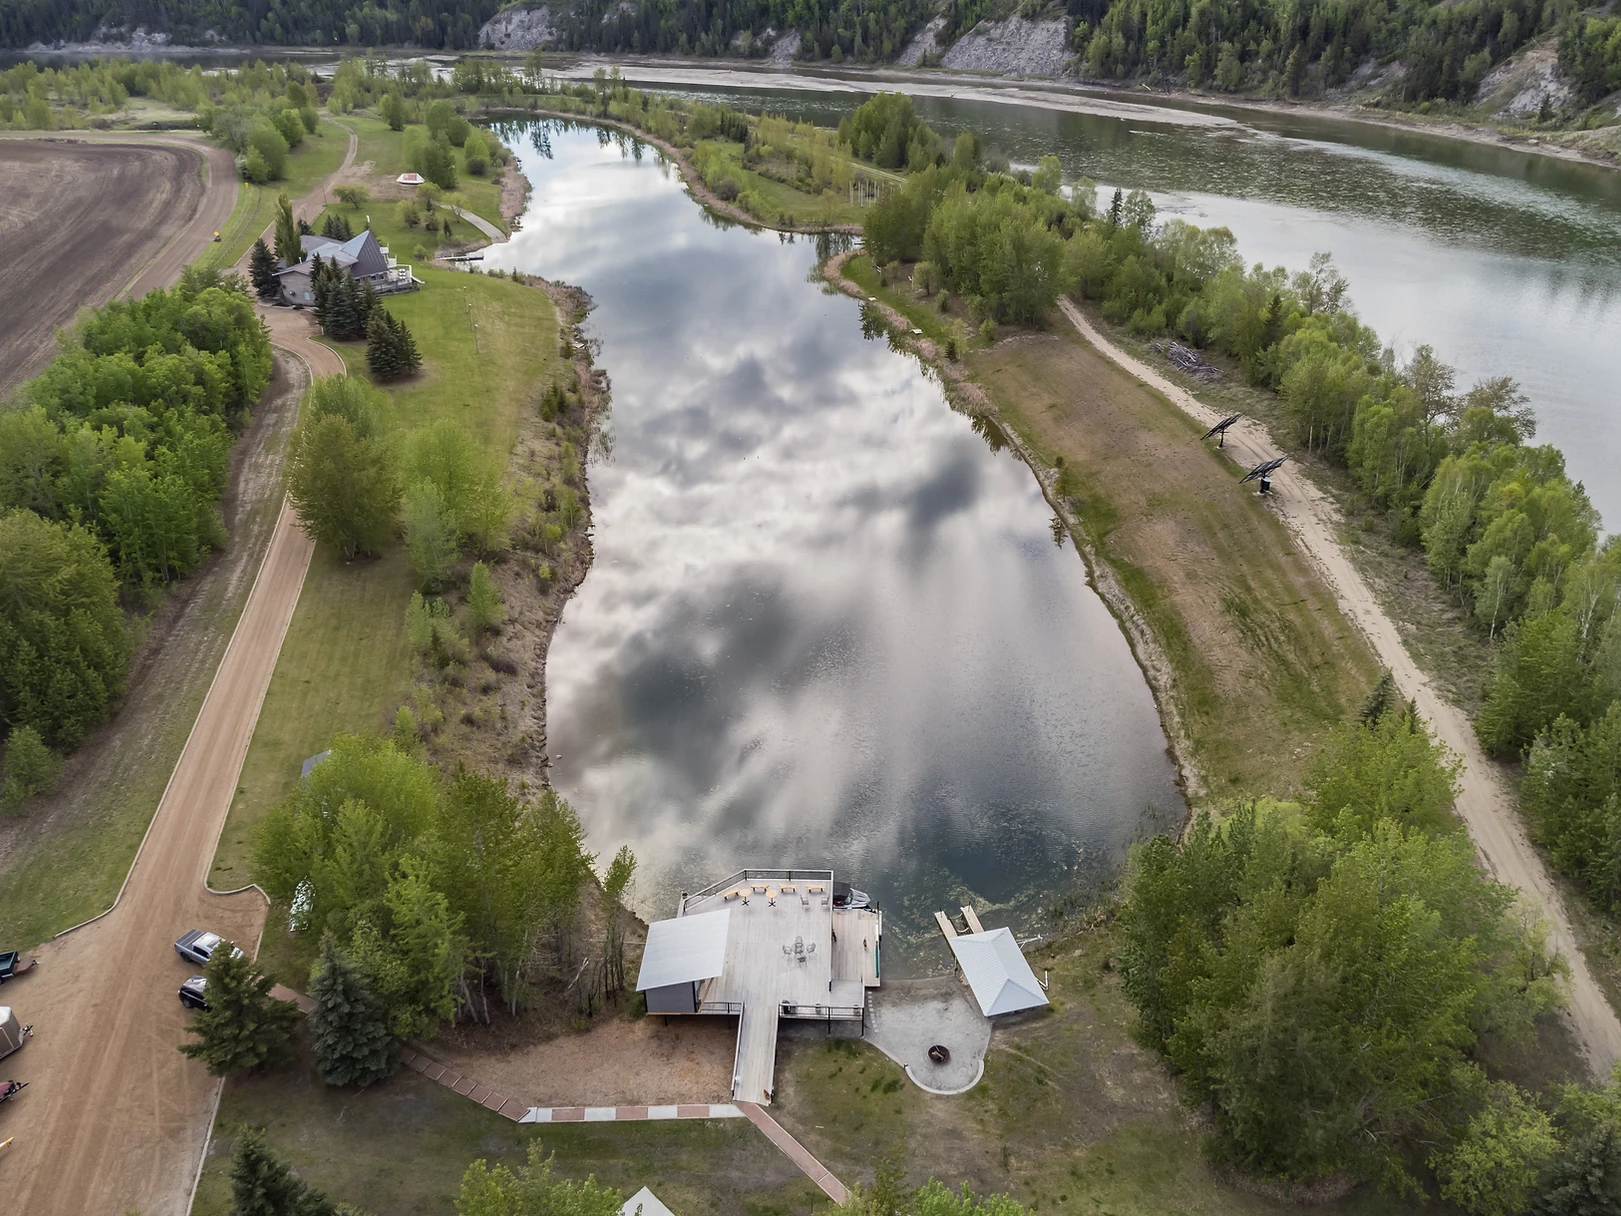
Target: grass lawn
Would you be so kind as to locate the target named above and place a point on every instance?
(402, 1146)
(792, 206)
(937, 326)
(384, 151)
(316, 157)
(345, 665)
(1072, 1116)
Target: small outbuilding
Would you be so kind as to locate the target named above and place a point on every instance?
(681, 954)
(644, 1203)
(996, 971)
(12, 1033)
(410, 179)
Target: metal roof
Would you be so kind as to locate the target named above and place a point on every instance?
(996, 970)
(685, 949)
(646, 1203)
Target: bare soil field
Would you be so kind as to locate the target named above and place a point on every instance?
(82, 221)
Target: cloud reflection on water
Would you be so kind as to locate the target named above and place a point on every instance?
(825, 624)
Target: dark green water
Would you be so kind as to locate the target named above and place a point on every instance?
(827, 625)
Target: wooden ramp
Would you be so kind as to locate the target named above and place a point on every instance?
(946, 927)
(754, 1069)
(969, 915)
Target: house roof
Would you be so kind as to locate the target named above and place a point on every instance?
(360, 255)
(997, 972)
(684, 950)
(646, 1203)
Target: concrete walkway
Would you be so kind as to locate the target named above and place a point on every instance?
(796, 1152)
(482, 224)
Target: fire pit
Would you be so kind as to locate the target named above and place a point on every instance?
(939, 1054)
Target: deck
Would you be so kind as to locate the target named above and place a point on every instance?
(789, 953)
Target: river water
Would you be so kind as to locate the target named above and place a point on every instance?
(827, 624)
(1507, 262)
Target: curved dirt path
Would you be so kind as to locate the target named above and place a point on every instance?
(115, 1119)
(1484, 800)
(311, 204)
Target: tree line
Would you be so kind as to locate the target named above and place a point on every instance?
(112, 466)
(446, 25)
(1322, 974)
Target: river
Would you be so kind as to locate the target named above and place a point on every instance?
(827, 624)
(1506, 262)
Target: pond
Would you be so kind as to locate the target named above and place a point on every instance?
(827, 624)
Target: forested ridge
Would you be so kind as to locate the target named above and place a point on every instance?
(1226, 45)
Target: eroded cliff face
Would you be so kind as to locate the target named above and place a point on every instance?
(1015, 47)
(518, 29)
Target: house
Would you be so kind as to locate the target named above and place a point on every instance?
(759, 946)
(360, 255)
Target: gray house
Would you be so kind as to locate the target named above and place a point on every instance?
(360, 255)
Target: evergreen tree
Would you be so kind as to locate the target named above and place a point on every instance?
(342, 321)
(261, 1185)
(262, 270)
(365, 302)
(382, 351)
(405, 345)
(336, 227)
(244, 1026)
(321, 288)
(348, 1024)
(288, 248)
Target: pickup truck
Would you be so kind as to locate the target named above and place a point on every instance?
(198, 946)
(12, 965)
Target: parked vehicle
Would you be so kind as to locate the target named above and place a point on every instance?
(9, 1090)
(194, 992)
(12, 965)
(198, 946)
(13, 1034)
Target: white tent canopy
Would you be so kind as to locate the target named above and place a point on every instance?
(684, 950)
(996, 970)
(645, 1203)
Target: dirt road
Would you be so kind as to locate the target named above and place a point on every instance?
(85, 218)
(1484, 802)
(115, 1118)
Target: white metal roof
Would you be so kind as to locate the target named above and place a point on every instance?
(685, 949)
(996, 970)
(645, 1202)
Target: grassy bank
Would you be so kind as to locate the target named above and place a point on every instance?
(345, 665)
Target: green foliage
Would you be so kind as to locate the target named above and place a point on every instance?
(890, 1196)
(244, 1027)
(485, 608)
(344, 483)
(336, 227)
(1389, 769)
(63, 645)
(348, 1025)
(262, 270)
(431, 536)
(450, 25)
(532, 1190)
(1540, 675)
(434, 887)
(353, 197)
(1495, 1164)
(30, 768)
(1590, 54)
(262, 1185)
(1323, 992)
(391, 351)
(1572, 794)
(288, 248)
(886, 130)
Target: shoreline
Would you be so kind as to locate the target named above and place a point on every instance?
(1109, 100)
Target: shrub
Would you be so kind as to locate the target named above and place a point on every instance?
(30, 768)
